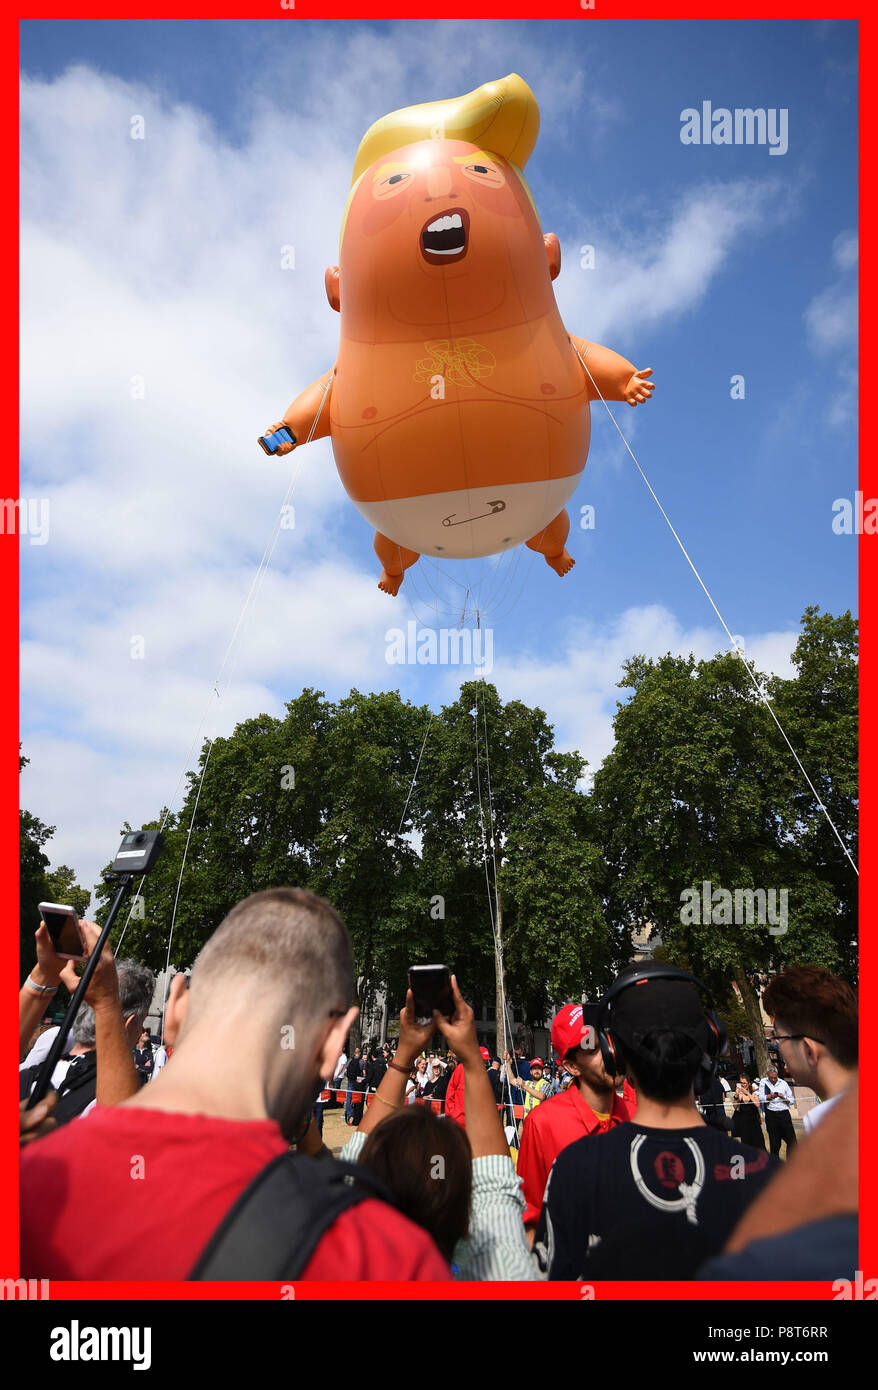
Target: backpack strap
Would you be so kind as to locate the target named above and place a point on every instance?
(77, 1088)
(276, 1224)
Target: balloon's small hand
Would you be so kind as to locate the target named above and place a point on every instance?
(281, 448)
(638, 388)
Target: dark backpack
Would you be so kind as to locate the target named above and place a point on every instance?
(278, 1221)
(77, 1090)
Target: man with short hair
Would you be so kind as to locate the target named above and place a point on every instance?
(778, 1098)
(138, 1190)
(656, 1196)
(815, 1021)
(589, 1106)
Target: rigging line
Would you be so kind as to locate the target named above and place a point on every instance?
(759, 690)
(493, 581)
(269, 549)
(413, 589)
(254, 586)
(498, 947)
(415, 774)
(435, 564)
(507, 1012)
(505, 605)
(490, 800)
(446, 610)
(180, 879)
(482, 829)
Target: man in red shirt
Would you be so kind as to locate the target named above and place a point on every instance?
(590, 1104)
(454, 1099)
(135, 1191)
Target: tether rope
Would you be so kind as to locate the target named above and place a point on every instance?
(254, 586)
(758, 688)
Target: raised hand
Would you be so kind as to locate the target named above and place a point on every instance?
(638, 388)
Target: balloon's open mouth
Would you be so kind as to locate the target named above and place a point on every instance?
(445, 237)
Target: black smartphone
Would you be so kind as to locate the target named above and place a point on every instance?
(63, 925)
(431, 986)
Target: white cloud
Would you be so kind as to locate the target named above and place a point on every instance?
(846, 250)
(831, 323)
(160, 259)
(666, 269)
(579, 687)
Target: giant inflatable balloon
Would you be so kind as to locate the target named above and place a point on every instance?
(458, 408)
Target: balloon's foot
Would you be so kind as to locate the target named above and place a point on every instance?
(562, 563)
(389, 583)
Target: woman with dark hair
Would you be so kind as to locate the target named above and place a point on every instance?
(747, 1124)
(415, 1143)
(459, 1186)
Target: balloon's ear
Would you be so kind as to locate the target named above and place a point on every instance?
(553, 254)
(331, 283)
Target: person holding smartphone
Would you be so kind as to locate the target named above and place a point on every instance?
(777, 1098)
(475, 1213)
(747, 1123)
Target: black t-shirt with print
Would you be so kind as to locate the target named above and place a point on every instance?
(638, 1203)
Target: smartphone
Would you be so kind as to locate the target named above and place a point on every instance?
(270, 443)
(63, 924)
(431, 986)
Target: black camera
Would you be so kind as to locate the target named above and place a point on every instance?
(138, 852)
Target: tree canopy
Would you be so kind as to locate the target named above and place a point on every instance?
(438, 834)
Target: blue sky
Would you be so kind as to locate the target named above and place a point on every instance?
(159, 260)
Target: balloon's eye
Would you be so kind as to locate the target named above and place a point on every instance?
(392, 184)
(485, 175)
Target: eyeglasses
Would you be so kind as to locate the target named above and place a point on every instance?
(793, 1037)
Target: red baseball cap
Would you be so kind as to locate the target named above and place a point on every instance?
(570, 1029)
(485, 1053)
(536, 1062)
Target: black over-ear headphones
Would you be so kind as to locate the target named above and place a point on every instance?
(610, 1044)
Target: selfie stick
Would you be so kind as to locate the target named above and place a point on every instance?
(149, 843)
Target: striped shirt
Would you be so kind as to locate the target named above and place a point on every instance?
(496, 1247)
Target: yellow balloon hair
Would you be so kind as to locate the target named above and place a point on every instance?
(501, 116)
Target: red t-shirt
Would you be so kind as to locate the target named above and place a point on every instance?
(550, 1127)
(133, 1193)
(454, 1109)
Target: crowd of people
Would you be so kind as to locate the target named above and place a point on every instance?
(617, 1157)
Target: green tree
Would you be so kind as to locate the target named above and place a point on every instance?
(505, 842)
(35, 885)
(698, 790)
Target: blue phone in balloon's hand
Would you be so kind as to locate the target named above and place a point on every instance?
(269, 443)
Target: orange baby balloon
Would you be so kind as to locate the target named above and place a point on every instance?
(458, 406)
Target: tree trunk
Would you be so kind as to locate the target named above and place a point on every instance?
(500, 984)
(750, 1000)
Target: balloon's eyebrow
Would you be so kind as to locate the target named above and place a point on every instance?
(476, 155)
